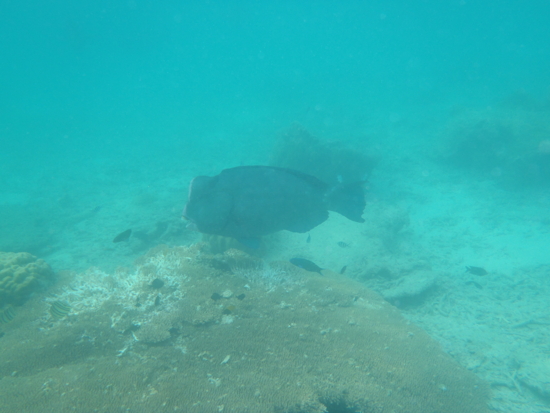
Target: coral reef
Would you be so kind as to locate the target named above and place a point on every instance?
(219, 244)
(507, 143)
(212, 340)
(21, 274)
(329, 161)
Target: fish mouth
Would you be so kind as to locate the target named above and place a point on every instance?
(190, 224)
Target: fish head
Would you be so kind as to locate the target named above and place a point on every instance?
(208, 208)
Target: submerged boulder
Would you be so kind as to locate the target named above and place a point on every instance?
(21, 274)
(285, 342)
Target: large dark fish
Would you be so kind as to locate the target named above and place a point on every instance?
(250, 201)
(123, 236)
(306, 265)
(476, 270)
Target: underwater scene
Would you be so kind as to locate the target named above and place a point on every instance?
(275, 207)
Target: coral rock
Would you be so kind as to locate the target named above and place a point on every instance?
(21, 274)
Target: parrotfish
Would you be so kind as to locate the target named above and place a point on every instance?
(248, 202)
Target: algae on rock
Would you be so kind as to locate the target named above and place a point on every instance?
(316, 344)
(21, 274)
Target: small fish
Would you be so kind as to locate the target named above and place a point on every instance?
(157, 284)
(308, 240)
(306, 265)
(476, 270)
(60, 309)
(342, 244)
(7, 314)
(123, 236)
(343, 270)
(228, 310)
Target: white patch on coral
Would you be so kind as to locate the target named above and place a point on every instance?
(227, 319)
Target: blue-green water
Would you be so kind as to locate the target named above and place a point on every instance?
(92, 80)
(107, 111)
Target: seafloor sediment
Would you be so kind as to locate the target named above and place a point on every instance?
(224, 333)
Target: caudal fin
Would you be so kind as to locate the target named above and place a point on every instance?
(348, 200)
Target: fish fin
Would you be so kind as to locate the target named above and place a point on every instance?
(123, 236)
(252, 243)
(348, 200)
(307, 223)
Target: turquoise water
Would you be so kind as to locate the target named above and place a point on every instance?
(208, 80)
(108, 111)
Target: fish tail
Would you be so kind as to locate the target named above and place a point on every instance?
(348, 200)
